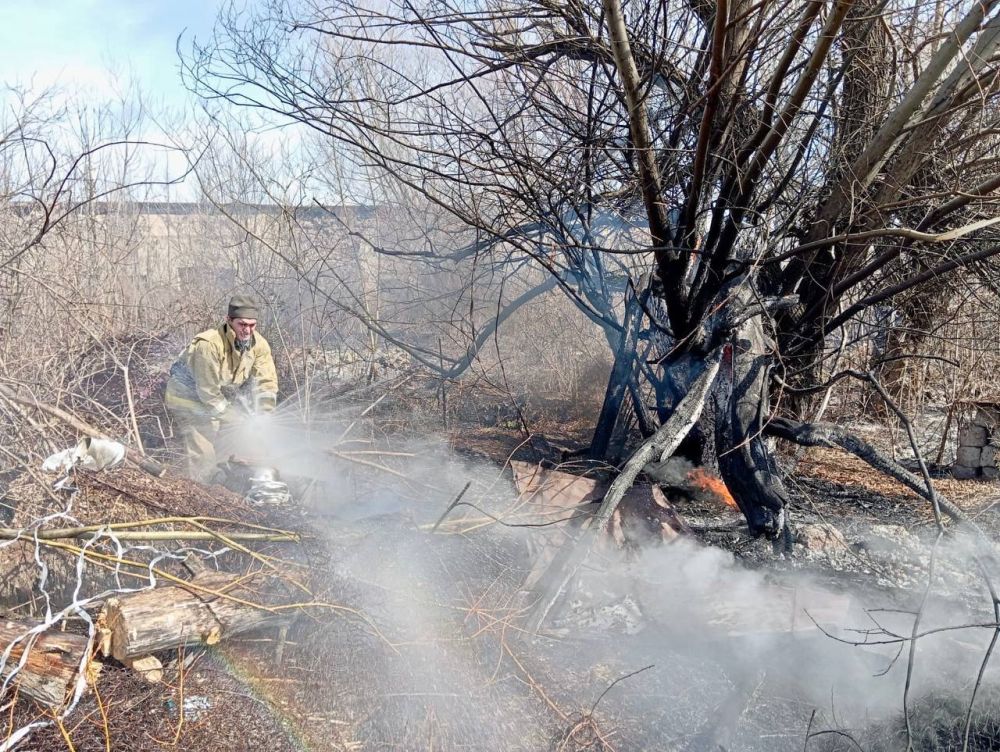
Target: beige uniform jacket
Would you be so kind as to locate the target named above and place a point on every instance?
(212, 362)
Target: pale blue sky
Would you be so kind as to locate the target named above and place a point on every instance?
(75, 42)
(82, 46)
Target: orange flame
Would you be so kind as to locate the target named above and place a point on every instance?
(700, 478)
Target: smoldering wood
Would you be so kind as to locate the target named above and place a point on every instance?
(213, 607)
(665, 441)
(555, 495)
(52, 664)
(557, 500)
(737, 406)
(742, 404)
(660, 445)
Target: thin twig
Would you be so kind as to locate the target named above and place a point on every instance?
(451, 506)
(618, 681)
(986, 657)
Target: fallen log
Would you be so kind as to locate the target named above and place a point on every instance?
(53, 662)
(212, 607)
(828, 435)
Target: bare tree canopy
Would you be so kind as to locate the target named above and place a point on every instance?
(757, 175)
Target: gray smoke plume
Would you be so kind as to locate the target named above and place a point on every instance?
(718, 656)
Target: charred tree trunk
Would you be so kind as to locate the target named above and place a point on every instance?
(698, 447)
(730, 433)
(609, 438)
(746, 460)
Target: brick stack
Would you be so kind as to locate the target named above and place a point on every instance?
(979, 446)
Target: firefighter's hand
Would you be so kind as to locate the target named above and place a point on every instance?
(230, 417)
(266, 403)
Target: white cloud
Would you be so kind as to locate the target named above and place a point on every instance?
(88, 44)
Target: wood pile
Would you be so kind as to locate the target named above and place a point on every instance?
(144, 524)
(212, 607)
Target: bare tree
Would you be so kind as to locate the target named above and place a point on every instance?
(756, 176)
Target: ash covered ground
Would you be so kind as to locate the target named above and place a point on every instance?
(712, 641)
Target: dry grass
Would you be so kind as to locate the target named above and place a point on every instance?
(837, 466)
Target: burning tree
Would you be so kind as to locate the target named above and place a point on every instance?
(749, 178)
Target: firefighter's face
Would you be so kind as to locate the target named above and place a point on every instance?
(243, 328)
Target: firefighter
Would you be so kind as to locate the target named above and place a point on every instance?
(224, 376)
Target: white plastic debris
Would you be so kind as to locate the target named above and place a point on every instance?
(90, 454)
(101, 454)
(60, 461)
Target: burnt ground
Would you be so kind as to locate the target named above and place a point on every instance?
(701, 646)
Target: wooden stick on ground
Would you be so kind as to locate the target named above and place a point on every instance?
(69, 533)
(451, 506)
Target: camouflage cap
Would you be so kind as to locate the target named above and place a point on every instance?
(243, 307)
